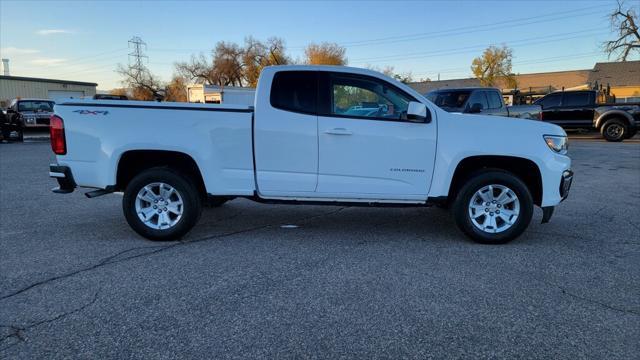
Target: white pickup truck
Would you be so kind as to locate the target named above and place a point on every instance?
(307, 139)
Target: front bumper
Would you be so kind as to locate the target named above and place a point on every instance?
(66, 183)
(565, 183)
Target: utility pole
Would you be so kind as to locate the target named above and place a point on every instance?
(139, 47)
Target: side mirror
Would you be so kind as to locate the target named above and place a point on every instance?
(475, 108)
(417, 112)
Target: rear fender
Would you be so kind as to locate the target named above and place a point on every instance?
(610, 114)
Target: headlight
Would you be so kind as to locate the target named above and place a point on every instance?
(557, 143)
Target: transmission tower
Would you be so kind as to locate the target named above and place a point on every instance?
(139, 47)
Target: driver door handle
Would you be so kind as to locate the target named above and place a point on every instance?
(338, 131)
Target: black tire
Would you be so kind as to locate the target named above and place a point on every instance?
(614, 130)
(478, 181)
(191, 203)
(20, 135)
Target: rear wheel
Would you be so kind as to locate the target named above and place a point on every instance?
(614, 130)
(493, 207)
(161, 204)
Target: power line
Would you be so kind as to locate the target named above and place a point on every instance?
(470, 49)
(469, 29)
(527, 62)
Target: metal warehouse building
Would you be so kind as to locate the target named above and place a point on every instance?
(12, 87)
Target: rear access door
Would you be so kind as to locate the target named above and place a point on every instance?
(286, 135)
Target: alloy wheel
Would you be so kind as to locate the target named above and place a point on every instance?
(494, 208)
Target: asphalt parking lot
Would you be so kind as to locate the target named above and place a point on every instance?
(76, 282)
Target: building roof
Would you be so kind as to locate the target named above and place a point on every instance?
(555, 79)
(624, 73)
(22, 78)
(608, 73)
(426, 86)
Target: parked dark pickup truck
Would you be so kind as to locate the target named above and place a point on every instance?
(485, 101)
(582, 110)
(29, 113)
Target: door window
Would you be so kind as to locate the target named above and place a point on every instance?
(366, 97)
(550, 101)
(478, 97)
(576, 99)
(495, 100)
(295, 91)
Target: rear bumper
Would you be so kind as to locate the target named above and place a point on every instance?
(66, 183)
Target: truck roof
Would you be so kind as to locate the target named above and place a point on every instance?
(334, 68)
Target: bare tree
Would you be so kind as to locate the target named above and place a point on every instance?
(198, 70)
(257, 55)
(405, 77)
(227, 64)
(231, 64)
(625, 23)
(143, 84)
(325, 54)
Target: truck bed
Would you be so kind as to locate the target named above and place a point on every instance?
(99, 132)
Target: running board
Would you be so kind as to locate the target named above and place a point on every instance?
(99, 192)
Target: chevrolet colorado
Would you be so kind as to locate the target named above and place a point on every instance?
(304, 142)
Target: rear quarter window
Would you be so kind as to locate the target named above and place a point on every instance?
(576, 99)
(295, 91)
(495, 100)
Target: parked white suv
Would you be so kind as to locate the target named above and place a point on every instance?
(302, 142)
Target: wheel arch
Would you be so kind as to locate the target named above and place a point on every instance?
(612, 114)
(525, 169)
(133, 162)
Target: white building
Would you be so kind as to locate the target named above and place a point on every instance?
(213, 94)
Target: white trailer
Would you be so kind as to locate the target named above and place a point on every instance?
(214, 94)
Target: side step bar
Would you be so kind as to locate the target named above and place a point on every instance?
(99, 192)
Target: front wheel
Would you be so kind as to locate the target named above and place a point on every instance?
(493, 207)
(160, 204)
(614, 130)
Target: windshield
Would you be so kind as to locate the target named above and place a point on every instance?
(449, 100)
(37, 106)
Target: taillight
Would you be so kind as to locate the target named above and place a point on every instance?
(56, 130)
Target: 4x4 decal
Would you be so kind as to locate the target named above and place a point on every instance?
(91, 112)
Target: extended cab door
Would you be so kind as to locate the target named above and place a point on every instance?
(286, 133)
(367, 148)
(576, 109)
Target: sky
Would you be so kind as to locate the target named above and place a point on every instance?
(85, 40)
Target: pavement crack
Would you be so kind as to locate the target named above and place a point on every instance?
(17, 332)
(592, 301)
(117, 258)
